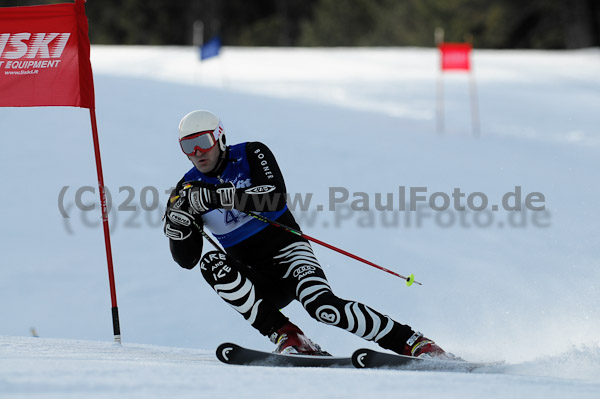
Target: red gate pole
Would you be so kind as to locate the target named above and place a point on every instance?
(109, 260)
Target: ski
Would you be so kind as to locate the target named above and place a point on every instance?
(234, 354)
(368, 358)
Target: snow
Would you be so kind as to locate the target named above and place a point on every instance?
(523, 288)
(58, 368)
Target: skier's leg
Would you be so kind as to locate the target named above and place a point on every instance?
(231, 282)
(301, 270)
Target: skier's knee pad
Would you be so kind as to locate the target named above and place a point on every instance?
(217, 268)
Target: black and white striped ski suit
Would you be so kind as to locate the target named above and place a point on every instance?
(295, 271)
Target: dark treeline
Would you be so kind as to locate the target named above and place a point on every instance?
(536, 24)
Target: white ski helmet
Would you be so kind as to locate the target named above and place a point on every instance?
(201, 121)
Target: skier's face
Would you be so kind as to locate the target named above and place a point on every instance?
(205, 162)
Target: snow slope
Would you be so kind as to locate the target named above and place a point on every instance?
(518, 287)
(57, 368)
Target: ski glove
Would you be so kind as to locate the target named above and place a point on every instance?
(203, 196)
(179, 224)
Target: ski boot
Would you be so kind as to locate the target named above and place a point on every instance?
(419, 346)
(291, 340)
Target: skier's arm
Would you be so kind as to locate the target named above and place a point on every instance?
(187, 253)
(268, 192)
(181, 227)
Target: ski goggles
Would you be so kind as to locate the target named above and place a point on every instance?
(201, 141)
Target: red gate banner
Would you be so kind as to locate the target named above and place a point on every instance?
(456, 56)
(45, 56)
(45, 61)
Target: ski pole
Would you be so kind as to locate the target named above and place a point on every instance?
(208, 238)
(409, 280)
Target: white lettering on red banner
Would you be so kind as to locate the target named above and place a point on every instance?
(23, 47)
(45, 56)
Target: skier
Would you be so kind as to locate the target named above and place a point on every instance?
(264, 268)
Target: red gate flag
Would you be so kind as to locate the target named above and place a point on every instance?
(45, 61)
(45, 56)
(456, 56)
